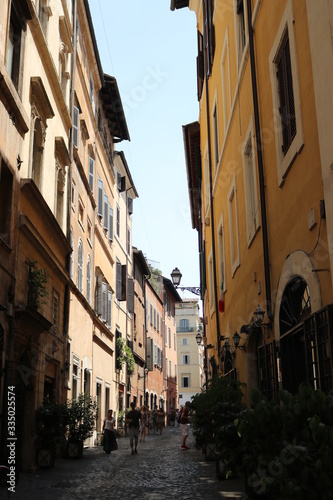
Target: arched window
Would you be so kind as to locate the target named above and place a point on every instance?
(80, 267)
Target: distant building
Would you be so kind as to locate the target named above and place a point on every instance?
(189, 353)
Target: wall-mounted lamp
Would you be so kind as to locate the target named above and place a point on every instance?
(236, 338)
(256, 322)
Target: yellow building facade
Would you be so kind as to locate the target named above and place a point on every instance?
(261, 202)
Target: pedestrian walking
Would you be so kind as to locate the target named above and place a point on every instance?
(185, 424)
(144, 423)
(160, 420)
(172, 417)
(133, 418)
(155, 412)
(109, 436)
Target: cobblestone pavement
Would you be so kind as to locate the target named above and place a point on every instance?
(160, 470)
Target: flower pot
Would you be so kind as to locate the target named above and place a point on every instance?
(74, 449)
(45, 457)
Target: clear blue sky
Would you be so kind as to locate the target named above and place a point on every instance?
(151, 51)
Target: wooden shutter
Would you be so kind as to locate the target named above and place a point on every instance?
(130, 295)
(118, 280)
(150, 360)
(106, 212)
(130, 205)
(123, 282)
(100, 198)
(111, 223)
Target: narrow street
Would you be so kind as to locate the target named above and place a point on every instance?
(160, 471)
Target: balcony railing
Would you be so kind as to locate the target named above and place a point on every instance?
(186, 329)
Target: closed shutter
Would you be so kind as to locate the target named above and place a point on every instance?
(100, 198)
(91, 173)
(118, 280)
(76, 127)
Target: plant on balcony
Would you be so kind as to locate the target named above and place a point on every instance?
(37, 280)
(124, 355)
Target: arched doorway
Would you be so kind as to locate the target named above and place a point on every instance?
(295, 307)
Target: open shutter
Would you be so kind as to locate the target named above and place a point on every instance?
(118, 280)
(76, 127)
(130, 295)
(91, 173)
(123, 282)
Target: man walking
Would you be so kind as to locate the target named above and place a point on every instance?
(133, 418)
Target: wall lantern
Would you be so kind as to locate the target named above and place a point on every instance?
(236, 338)
(198, 338)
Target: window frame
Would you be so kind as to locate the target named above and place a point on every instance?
(233, 227)
(285, 161)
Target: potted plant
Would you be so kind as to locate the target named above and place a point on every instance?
(81, 416)
(213, 415)
(124, 355)
(50, 430)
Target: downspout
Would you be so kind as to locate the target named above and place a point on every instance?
(260, 166)
(211, 205)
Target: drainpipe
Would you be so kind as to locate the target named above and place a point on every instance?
(212, 206)
(260, 166)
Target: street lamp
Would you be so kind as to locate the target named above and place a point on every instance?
(198, 338)
(176, 277)
(256, 322)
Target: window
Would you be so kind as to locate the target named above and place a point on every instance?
(250, 186)
(209, 32)
(109, 307)
(104, 301)
(233, 225)
(286, 94)
(6, 194)
(73, 195)
(106, 211)
(184, 341)
(118, 221)
(100, 198)
(240, 30)
(55, 311)
(61, 182)
(169, 331)
(221, 254)
(130, 205)
(200, 65)
(81, 213)
(71, 263)
(226, 83)
(207, 181)
(76, 127)
(44, 12)
(89, 231)
(91, 90)
(185, 382)
(211, 288)
(158, 322)
(15, 41)
(128, 241)
(151, 315)
(80, 267)
(110, 223)
(121, 275)
(185, 359)
(215, 126)
(88, 280)
(91, 173)
(184, 325)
